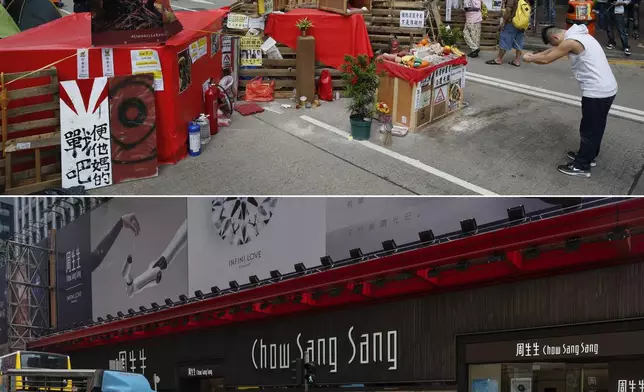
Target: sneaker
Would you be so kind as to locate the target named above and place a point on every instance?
(610, 46)
(474, 53)
(573, 155)
(571, 170)
(627, 51)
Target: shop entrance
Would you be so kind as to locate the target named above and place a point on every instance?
(201, 377)
(194, 384)
(540, 377)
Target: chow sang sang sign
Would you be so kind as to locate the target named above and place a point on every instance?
(376, 350)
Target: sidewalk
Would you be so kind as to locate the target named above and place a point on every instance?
(534, 42)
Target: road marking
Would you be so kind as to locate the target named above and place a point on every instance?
(65, 11)
(616, 111)
(183, 8)
(410, 161)
(626, 62)
(203, 2)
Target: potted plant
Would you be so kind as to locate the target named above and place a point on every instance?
(304, 25)
(449, 36)
(362, 83)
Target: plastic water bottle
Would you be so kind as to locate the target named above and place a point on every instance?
(204, 123)
(194, 139)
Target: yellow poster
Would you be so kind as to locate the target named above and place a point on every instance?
(147, 61)
(250, 53)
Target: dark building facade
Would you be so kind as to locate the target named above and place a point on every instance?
(577, 332)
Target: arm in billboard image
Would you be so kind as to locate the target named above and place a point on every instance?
(152, 276)
(128, 221)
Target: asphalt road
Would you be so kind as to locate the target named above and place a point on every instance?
(505, 142)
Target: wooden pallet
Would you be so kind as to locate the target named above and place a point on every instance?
(283, 73)
(489, 27)
(383, 21)
(31, 148)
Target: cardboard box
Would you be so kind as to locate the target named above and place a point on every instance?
(344, 7)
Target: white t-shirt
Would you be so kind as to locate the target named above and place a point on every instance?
(591, 68)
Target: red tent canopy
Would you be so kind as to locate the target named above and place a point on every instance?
(55, 44)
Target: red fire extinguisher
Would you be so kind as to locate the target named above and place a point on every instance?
(212, 107)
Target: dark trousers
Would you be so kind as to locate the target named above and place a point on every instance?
(619, 21)
(594, 114)
(633, 14)
(603, 9)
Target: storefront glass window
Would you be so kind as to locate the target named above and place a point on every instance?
(539, 377)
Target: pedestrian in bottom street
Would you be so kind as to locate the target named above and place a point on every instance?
(598, 89)
(510, 37)
(633, 15)
(472, 30)
(617, 18)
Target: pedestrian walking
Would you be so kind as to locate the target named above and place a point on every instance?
(472, 30)
(516, 19)
(633, 15)
(549, 12)
(617, 19)
(598, 89)
(601, 9)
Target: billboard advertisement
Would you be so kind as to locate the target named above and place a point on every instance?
(134, 251)
(4, 324)
(73, 272)
(235, 237)
(141, 253)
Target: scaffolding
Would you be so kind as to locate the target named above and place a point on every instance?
(27, 275)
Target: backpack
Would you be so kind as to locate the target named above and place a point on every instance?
(521, 18)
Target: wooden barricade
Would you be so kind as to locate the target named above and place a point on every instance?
(30, 147)
(384, 21)
(490, 27)
(283, 73)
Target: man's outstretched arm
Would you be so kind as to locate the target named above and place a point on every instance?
(551, 55)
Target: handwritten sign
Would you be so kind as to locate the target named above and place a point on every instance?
(413, 19)
(237, 21)
(86, 152)
(147, 61)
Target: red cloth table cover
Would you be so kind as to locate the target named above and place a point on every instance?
(51, 42)
(335, 35)
(414, 75)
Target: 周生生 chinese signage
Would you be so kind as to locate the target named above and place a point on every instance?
(557, 348)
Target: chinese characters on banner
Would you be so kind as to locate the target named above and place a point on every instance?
(147, 61)
(379, 224)
(237, 21)
(72, 265)
(251, 51)
(86, 156)
(107, 55)
(630, 386)
(413, 19)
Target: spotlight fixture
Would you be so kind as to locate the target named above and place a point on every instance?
(110, 317)
(154, 305)
(183, 298)
(233, 285)
(275, 274)
(433, 273)
(253, 279)
(142, 309)
(120, 314)
(131, 311)
(426, 236)
(199, 294)
(469, 226)
(264, 305)
(326, 261)
(356, 253)
(215, 290)
(357, 288)
(221, 314)
(516, 214)
(389, 245)
(300, 267)
(463, 265)
(169, 302)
